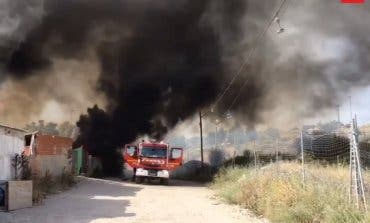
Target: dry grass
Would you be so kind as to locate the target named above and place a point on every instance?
(47, 184)
(277, 192)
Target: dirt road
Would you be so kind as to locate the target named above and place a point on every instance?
(98, 201)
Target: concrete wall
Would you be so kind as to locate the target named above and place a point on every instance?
(52, 163)
(19, 194)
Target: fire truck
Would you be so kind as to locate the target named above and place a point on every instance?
(152, 160)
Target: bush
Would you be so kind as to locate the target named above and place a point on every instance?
(42, 186)
(281, 197)
(244, 160)
(237, 161)
(67, 179)
(47, 183)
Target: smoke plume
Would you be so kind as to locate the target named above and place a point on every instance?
(150, 65)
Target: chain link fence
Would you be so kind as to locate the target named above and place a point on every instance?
(312, 149)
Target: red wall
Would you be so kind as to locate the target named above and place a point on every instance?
(52, 145)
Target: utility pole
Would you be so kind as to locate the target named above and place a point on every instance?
(350, 107)
(338, 112)
(277, 149)
(201, 137)
(277, 154)
(216, 136)
(218, 122)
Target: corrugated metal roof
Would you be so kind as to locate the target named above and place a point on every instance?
(13, 128)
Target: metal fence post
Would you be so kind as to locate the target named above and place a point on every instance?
(254, 154)
(302, 158)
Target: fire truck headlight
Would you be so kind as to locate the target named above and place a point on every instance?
(141, 172)
(163, 173)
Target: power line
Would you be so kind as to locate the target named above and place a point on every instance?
(265, 31)
(251, 53)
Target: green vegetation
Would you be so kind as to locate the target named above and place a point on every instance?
(64, 129)
(277, 192)
(245, 160)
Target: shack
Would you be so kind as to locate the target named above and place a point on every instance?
(83, 163)
(11, 143)
(49, 153)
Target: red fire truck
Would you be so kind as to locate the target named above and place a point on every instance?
(151, 160)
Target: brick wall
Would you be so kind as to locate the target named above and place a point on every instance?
(53, 154)
(53, 145)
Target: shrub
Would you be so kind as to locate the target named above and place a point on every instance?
(67, 179)
(281, 197)
(47, 183)
(42, 186)
(237, 161)
(244, 160)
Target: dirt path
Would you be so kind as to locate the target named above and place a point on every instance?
(98, 201)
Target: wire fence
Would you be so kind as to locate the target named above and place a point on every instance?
(310, 149)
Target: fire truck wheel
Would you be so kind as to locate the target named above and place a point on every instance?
(138, 180)
(164, 181)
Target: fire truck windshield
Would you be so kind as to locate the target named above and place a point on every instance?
(154, 152)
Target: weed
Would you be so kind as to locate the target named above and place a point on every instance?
(67, 179)
(282, 197)
(47, 184)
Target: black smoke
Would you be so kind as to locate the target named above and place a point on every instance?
(160, 61)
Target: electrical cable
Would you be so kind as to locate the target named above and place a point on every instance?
(250, 54)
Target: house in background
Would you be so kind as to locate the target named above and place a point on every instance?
(12, 141)
(48, 153)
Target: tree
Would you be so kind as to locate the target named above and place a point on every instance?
(32, 127)
(66, 129)
(49, 128)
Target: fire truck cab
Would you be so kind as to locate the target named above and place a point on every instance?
(151, 160)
